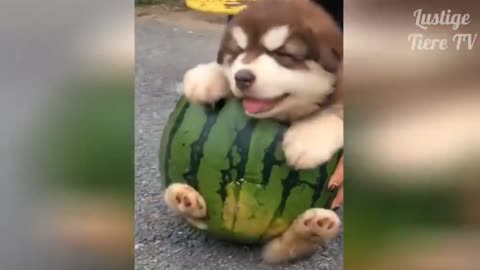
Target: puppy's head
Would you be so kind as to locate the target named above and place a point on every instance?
(281, 57)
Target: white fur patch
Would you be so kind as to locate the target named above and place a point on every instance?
(275, 37)
(205, 83)
(306, 87)
(273, 80)
(313, 141)
(240, 37)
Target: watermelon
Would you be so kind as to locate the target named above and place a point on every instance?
(238, 166)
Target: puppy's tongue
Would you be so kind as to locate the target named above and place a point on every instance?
(254, 105)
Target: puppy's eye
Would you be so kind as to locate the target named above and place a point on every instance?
(282, 53)
(285, 54)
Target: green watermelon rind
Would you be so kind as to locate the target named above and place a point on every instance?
(238, 166)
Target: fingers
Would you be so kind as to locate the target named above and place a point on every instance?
(336, 181)
(338, 201)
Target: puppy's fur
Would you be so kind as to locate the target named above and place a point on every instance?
(282, 58)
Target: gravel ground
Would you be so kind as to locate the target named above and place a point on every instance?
(166, 47)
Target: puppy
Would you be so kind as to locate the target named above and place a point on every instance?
(282, 59)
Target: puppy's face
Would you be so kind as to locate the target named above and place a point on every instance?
(281, 58)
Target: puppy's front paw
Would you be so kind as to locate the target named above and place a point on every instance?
(317, 225)
(205, 83)
(312, 142)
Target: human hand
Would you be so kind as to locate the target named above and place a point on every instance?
(336, 181)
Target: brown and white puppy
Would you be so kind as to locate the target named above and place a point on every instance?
(282, 58)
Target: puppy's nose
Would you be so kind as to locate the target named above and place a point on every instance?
(244, 79)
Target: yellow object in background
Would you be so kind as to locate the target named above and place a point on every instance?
(228, 7)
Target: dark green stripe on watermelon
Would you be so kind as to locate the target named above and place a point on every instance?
(269, 159)
(261, 159)
(196, 148)
(223, 163)
(288, 184)
(322, 177)
(175, 120)
(236, 170)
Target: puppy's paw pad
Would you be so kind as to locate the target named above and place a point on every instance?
(205, 84)
(318, 223)
(185, 200)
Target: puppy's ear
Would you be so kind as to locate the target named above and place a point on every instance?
(221, 49)
(329, 46)
(220, 56)
(328, 40)
(329, 57)
(334, 59)
(337, 96)
(224, 45)
(326, 36)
